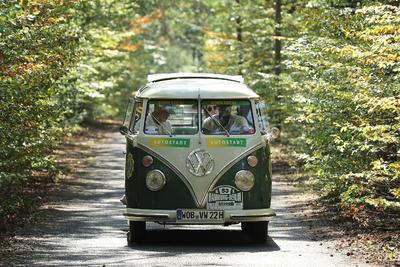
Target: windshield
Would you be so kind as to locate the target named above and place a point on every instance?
(224, 117)
(171, 117)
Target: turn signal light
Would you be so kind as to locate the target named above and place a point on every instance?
(147, 161)
(252, 161)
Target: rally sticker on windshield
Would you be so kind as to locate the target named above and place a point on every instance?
(225, 197)
(169, 142)
(226, 142)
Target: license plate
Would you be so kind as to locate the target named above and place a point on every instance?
(200, 216)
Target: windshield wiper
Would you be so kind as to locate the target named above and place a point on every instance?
(216, 121)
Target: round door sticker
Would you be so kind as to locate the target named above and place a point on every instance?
(130, 166)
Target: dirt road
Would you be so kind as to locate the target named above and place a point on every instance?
(87, 229)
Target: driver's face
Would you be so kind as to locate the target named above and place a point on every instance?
(164, 115)
(161, 115)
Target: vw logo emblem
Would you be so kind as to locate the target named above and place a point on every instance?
(199, 162)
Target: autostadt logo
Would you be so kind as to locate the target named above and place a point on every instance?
(199, 162)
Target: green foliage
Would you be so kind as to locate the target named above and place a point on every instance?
(244, 44)
(345, 73)
(113, 63)
(38, 44)
(63, 62)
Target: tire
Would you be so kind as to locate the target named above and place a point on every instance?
(137, 232)
(258, 231)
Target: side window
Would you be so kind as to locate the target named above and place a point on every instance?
(137, 114)
(262, 122)
(128, 113)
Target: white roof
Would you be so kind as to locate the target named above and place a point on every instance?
(169, 76)
(186, 86)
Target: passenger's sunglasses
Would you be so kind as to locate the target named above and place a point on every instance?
(211, 108)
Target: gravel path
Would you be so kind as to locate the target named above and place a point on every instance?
(87, 229)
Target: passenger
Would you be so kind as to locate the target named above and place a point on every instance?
(245, 111)
(211, 110)
(157, 122)
(224, 120)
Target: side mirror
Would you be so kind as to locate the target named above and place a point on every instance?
(123, 130)
(272, 133)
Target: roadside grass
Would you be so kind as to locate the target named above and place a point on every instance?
(376, 242)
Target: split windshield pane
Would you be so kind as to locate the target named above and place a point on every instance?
(221, 117)
(171, 117)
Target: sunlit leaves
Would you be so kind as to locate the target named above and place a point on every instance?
(346, 69)
(38, 44)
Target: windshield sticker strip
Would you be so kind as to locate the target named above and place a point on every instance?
(226, 142)
(169, 142)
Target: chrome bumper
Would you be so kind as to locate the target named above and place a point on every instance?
(169, 216)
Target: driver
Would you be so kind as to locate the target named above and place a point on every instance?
(232, 123)
(159, 120)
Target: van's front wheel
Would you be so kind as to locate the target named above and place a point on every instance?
(137, 232)
(258, 231)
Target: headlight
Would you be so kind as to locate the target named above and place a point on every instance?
(155, 180)
(244, 180)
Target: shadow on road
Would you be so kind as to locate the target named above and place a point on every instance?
(202, 240)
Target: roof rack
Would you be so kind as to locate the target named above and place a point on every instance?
(172, 76)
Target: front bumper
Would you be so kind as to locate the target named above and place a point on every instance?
(169, 216)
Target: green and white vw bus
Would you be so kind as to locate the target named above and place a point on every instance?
(197, 152)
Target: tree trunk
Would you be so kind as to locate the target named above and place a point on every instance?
(239, 39)
(278, 34)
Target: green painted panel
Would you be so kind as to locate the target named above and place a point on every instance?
(174, 195)
(260, 195)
